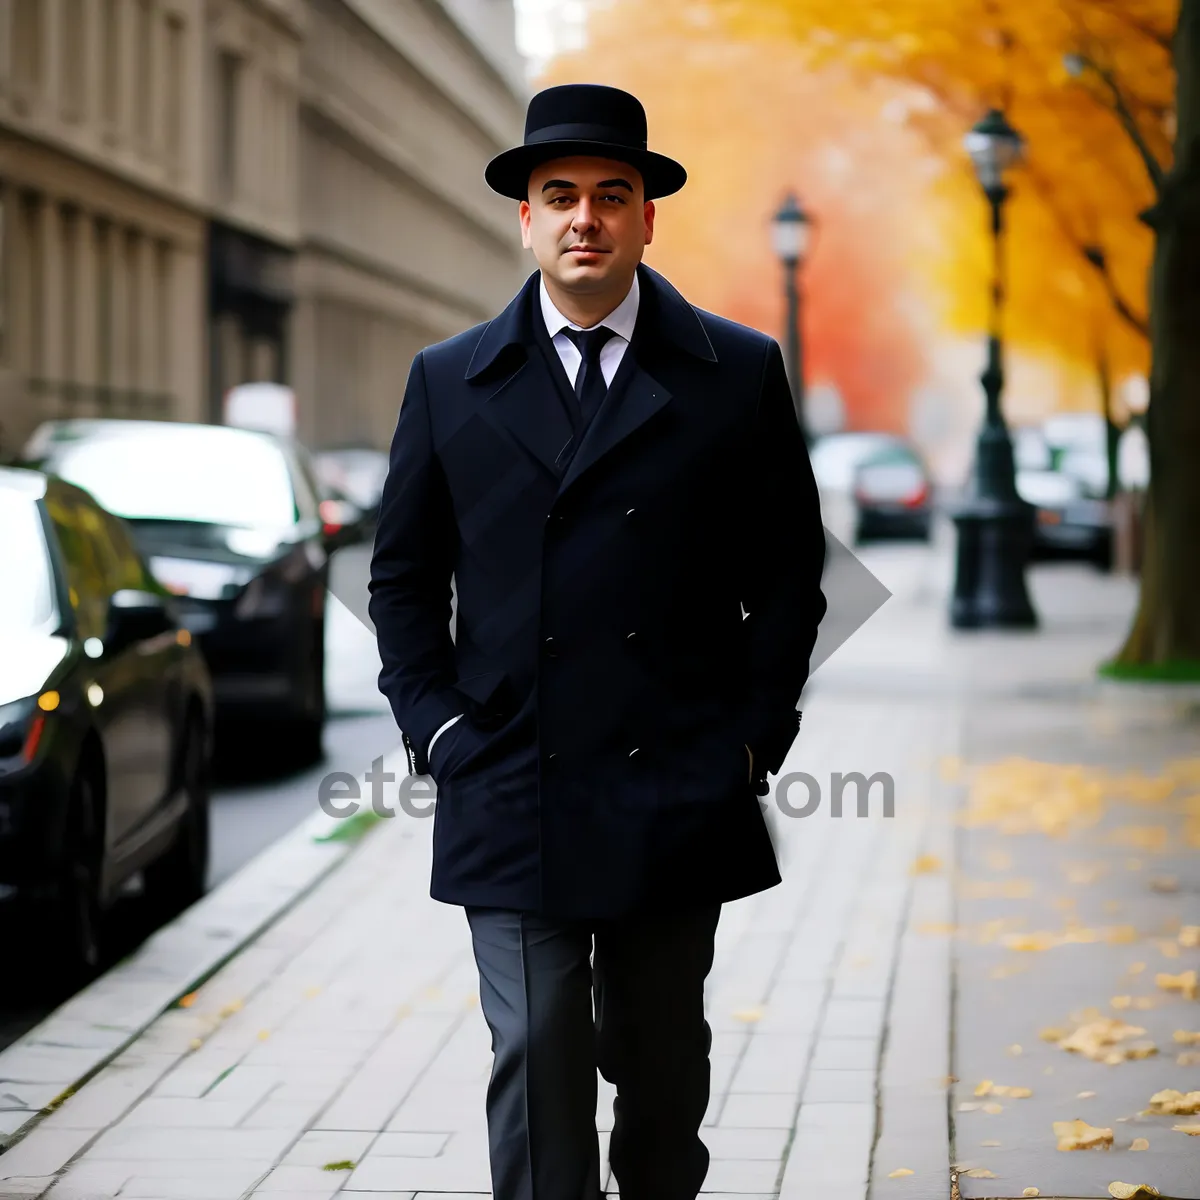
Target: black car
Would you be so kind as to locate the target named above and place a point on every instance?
(105, 721)
(229, 519)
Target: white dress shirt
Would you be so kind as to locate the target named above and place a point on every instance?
(621, 321)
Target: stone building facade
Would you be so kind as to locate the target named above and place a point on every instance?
(402, 244)
(194, 193)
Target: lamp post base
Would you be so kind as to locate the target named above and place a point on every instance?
(995, 537)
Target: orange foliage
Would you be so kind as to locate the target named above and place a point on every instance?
(1094, 139)
(749, 125)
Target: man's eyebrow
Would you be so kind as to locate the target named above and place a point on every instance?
(604, 183)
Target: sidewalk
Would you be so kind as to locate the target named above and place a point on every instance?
(343, 1052)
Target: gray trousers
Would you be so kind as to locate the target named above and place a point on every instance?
(647, 1035)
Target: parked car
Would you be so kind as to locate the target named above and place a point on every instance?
(356, 473)
(106, 716)
(229, 520)
(835, 457)
(1071, 525)
(893, 496)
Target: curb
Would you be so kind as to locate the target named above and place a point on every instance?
(83, 1035)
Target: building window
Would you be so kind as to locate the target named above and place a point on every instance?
(144, 74)
(27, 46)
(104, 305)
(4, 268)
(164, 310)
(133, 309)
(110, 89)
(229, 81)
(70, 223)
(74, 65)
(175, 84)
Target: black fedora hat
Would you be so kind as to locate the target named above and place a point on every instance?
(584, 119)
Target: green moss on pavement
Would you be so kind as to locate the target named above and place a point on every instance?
(1179, 671)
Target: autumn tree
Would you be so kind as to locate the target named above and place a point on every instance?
(1108, 94)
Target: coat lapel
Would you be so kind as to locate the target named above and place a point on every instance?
(523, 398)
(666, 322)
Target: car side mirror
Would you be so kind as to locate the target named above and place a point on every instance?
(135, 616)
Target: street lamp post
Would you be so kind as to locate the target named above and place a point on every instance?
(790, 230)
(995, 526)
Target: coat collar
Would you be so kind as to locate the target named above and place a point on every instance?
(674, 319)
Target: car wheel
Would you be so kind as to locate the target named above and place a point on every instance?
(75, 921)
(178, 879)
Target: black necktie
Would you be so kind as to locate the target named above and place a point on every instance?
(589, 380)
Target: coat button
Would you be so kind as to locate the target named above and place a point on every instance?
(550, 648)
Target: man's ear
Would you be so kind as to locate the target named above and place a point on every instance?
(649, 218)
(524, 213)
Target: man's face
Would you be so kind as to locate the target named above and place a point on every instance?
(587, 222)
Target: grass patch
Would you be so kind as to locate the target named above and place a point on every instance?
(1178, 671)
(350, 829)
(344, 1165)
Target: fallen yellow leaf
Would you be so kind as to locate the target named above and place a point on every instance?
(1016, 1093)
(967, 1106)
(1164, 883)
(263, 1034)
(748, 1015)
(899, 1172)
(1140, 1144)
(990, 1145)
(984, 1088)
(1099, 1040)
(936, 927)
(1192, 1130)
(1052, 1034)
(1136, 968)
(1015, 1049)
(1126, 1191)
(1175, 1104)
(1169, 949)
(926, 864)
(1187, 1037)
(1189, 1058)
(1144, 1002)
(1079, 1135)
(188, 1000)
(1121, 1001)
(979, 1173)
(1185, 982)
(1030, 942)
(195, 1044)
(993, 1109)
(1084, 1095)
(1189, 936)
(1031, 1192)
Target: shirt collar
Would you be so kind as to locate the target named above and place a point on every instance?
(621, 320)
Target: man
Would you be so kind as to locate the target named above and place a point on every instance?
(611, 476)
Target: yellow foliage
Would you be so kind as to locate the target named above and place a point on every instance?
(1084, 181)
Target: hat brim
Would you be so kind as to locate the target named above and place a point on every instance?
(508, 173)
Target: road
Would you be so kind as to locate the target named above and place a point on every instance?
(254, 801)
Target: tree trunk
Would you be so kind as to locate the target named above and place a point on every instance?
(1166, 629)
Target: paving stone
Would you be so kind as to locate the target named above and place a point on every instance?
(845, 1054)
(853, 1018)
(742, 1175)
(311, 1182)
(442, 1174)
(320, 1146)
(840, 1087)
(42, 1151)
(761, 1110)
(410, 1145)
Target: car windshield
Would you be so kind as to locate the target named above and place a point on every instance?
(27, 602)
(204, 473)
(834, 458)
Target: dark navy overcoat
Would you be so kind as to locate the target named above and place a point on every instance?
(637, 601)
